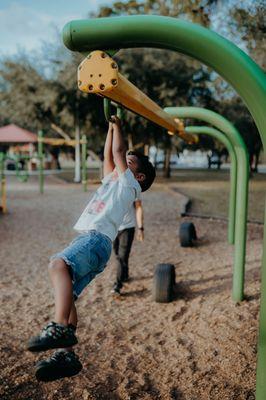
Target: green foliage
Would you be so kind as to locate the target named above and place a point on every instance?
(236, 111)
(25, 95)
(32, 100)
(197, 11)
(251, 24)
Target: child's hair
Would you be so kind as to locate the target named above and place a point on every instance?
(146, 168)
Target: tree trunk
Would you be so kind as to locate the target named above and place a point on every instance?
(77, 177)
(155, 158)
(130, 141)
(167, 168)
(146, 149)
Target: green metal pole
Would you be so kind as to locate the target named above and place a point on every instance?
(261, 364)
(3, 182)
(179, 35)
(107, 109)
(108, 112)
(206, 130)
(1, 164)
(234, 136)
(40, 158)
(84, 162)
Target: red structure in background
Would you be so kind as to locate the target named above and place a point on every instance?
(14, 134)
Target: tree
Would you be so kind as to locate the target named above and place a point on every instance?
(25, 95)
(249, 20)
(35, 101)
(166, 77)
(197, 11)
(236, 111)
(49, 102)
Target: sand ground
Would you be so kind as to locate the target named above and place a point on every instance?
(200, 346)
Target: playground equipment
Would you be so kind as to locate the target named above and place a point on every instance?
(206, 130)
(107, 110)
(3, 207)
(164, 274)
(98, 74)
(21, 175)
(163, 283)
(231, 138)
(213, 50)
(241, 184)
(60, 142)
(187, 234)
(187, 230)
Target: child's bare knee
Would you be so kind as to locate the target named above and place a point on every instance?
(56, 265)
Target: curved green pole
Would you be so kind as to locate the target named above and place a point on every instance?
(224, 57)
(206, 130)
(231, 132)
(184, 37)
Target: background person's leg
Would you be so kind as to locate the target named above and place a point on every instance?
(125, 244)
(119, 266)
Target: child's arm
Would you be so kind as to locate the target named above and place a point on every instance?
(139, 218)
(119, 147)
(108, 162)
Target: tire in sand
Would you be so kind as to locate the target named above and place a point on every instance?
(163, 283)
(187, 234)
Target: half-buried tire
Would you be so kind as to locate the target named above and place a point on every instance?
(163, 283)
(187, 234)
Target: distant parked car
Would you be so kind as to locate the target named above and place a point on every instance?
(10, 165)
(214, 159)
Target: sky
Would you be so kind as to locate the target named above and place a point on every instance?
(24, 24)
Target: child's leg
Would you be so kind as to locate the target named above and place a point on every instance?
(73, 318)
(58, 334)
(72, 321)
(63, 291)
(64, 362)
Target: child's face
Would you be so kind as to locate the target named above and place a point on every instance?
(132, 162)
(133, 165)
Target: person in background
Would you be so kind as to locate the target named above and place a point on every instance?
(124, 240)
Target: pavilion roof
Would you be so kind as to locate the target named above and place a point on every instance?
(14, 134)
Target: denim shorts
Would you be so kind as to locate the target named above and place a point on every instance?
(86, 256)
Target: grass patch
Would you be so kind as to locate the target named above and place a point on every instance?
(209, 192)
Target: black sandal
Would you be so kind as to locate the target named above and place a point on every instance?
(53, 336)
(61, 364)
